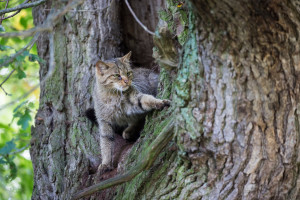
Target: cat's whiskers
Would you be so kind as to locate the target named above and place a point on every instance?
(141, 86)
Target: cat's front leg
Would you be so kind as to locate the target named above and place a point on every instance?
(149, 102)
(106, 146)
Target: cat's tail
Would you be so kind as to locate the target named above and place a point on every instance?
(91, 115)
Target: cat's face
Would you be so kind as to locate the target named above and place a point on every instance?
(115, 74)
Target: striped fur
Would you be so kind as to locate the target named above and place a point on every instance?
(122, 98)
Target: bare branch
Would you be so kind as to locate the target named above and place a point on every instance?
(4, 91)
(22, 6)
(137, 19)
(7, 2)
(48, 24)
(75, 10)
(145, 162)
(14, 13)
(11, 15)
(6, 80)
(2, 17)
(52, 59)
(19, 150)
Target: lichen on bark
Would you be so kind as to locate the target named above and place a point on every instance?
(234, 88)
(154, 184)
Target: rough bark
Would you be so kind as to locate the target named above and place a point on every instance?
(65, 146)
(235, 98)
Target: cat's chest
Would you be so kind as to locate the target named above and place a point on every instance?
(125, 112)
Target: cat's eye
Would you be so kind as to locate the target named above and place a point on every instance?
(118, 76)
(129, 73)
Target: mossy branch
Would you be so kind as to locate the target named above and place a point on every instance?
(145, 162)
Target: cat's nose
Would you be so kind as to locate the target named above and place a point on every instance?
(125, 80)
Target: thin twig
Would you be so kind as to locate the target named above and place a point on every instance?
(11, 15)
(145, 162)
(48, 24)
(51, 59)
(22, 6)
(7, 77)
(2, 17)
(79, 10)
(19, 150)
(137, 19)
(15, 12)
(4, 91)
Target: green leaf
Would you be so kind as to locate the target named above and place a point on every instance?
(33, 58)
(19, 106)
(20, 58)
(24, 119)
(17, 40)
(6, 127)
(164, 15)
(3, 41)
(13, 170)
(20, 73)
(17, 114)
(3, 47)
(23, 22)
(2, 29)
(9, 146)
(2, 161)
(4, 59)
(25, 53)
(31, 105)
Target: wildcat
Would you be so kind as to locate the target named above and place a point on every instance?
(122, 98)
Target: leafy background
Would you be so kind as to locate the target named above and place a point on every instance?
(16, 173)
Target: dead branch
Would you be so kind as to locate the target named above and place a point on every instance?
(48, 24)
(12, 71)
(137, 19)
(21, 6)
(3, 16)
(144, 163)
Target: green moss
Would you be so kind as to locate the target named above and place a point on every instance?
(191, 124)
(151, 182)
(53, 85)
(177, 20)
(166, 80)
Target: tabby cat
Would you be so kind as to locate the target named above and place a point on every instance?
(122, 97)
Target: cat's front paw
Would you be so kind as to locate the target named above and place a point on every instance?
(103, 168)
(126, 135)
(162, 104)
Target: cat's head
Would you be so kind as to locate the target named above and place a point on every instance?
(115, 74)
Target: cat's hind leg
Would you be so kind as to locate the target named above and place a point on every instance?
(132, 131)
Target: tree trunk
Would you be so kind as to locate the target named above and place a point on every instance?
(235, 101)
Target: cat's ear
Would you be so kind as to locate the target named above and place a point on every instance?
(126, 58)
(101, 66)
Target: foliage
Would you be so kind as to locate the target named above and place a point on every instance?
(16, 173)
